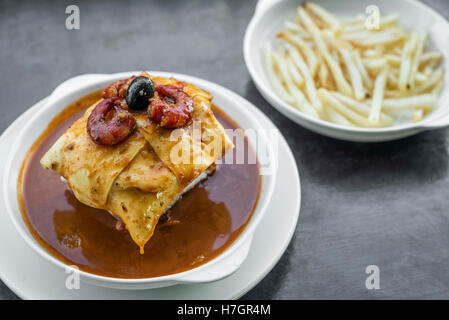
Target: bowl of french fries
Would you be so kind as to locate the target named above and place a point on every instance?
(351, 69)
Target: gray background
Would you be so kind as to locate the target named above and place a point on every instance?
(385, 204)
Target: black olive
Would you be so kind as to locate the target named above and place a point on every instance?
(139, 92)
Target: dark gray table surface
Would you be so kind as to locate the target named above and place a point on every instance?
(385, 204)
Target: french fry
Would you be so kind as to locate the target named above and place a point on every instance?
(420, 77)
(393, 60)
(363, 73)
(281, 66)
(434, 78)
(296, 29)
(272, 77)
(337, 59)
(407, 62)
(378, 95)
(348, 113)
(372, 54)
(335, 117)
(304, 48)
(430, 56)
(373, 38)
(324, 15)
(300, 101)
(294, 73)
(368, 34)
(329, 39)
(337, 73)
(356, 78)
(392, 79)
(347, 29)
(421, 39)
(303, 104)
(362, 108)
(375, 64)
(322, 72)
(309, 83)
(394, 93)
(426, 101)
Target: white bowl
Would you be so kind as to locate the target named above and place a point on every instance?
(268, 20)
(71, 90)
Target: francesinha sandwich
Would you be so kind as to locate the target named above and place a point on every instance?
(139, 148)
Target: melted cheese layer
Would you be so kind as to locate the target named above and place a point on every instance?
(139, 179)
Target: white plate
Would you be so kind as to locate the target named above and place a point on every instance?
(268, 20)
(32, 277)
(235, 106)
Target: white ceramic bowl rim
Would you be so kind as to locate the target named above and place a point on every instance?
(189, 276)
(438, 118)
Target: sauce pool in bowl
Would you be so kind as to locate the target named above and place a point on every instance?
(211, 216)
